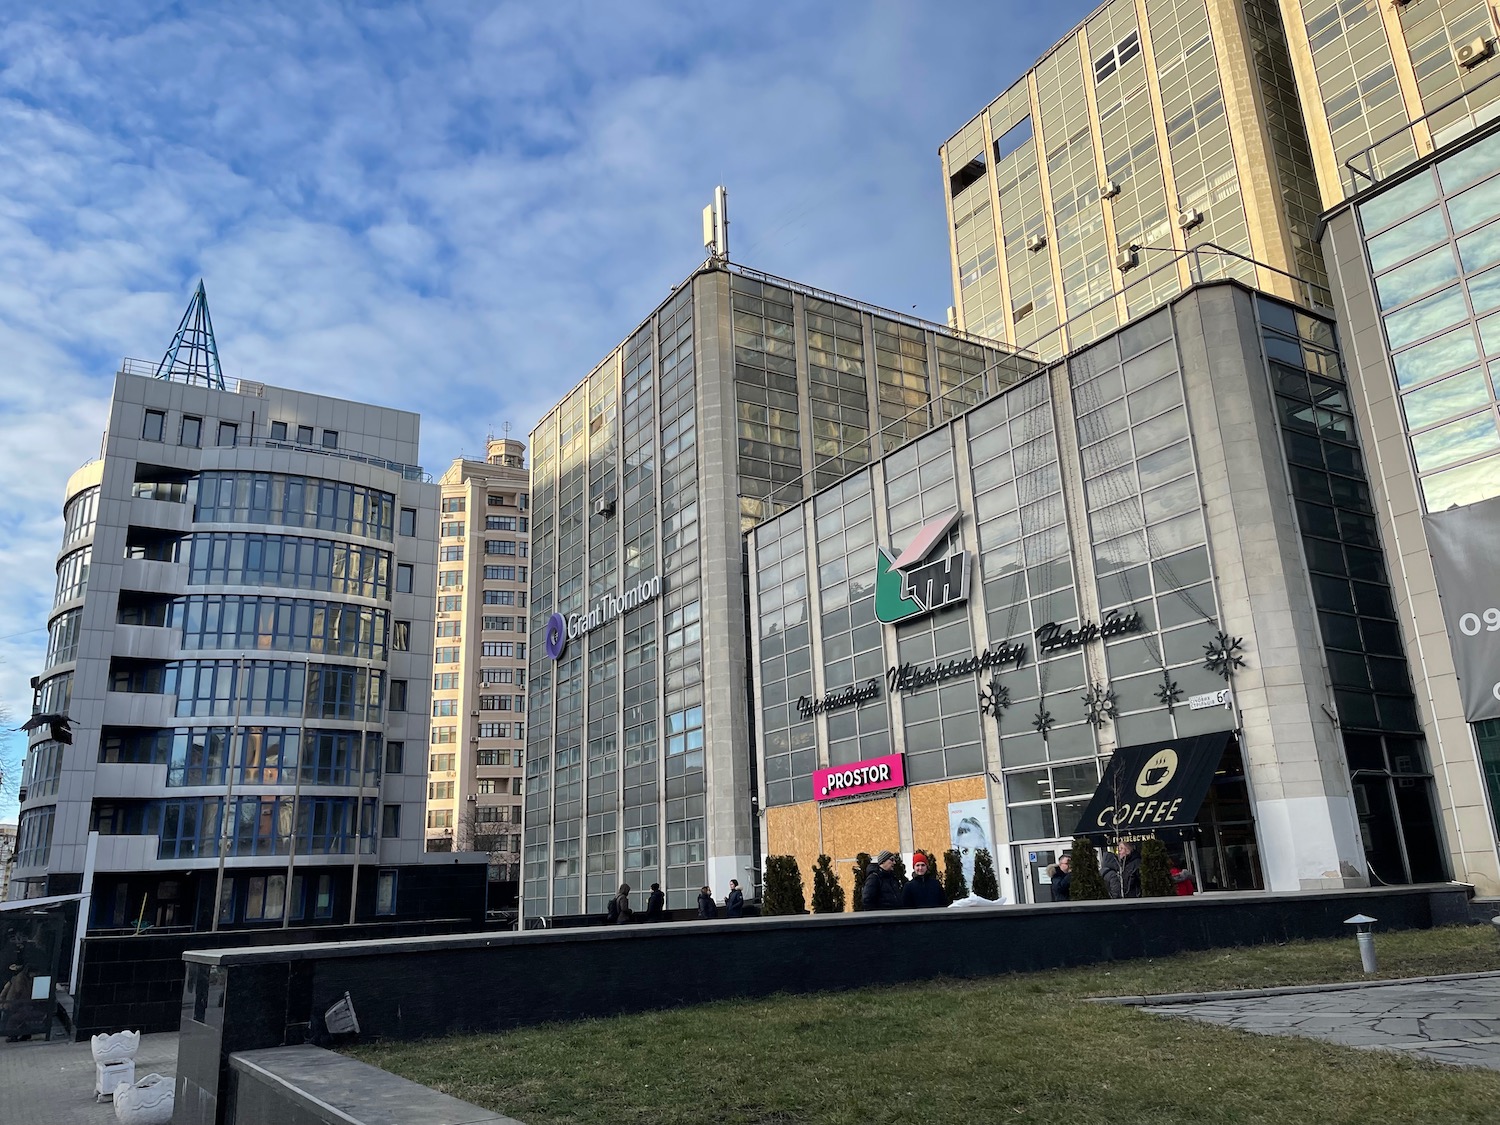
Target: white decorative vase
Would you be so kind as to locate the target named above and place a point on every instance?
(147, 1102)
(119, 1047)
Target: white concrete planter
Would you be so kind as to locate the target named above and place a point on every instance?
(148, 1102)
(119, 1047)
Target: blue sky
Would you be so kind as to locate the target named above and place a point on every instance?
(451, 207)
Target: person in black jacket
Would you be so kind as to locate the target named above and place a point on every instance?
(707, 908)
(924, 890)
(882, 889)
(734, 901)
(1121, 869)
(656, 904)
(1062, 878)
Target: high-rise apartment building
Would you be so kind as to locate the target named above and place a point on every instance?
(731, 401)
(1158, 144)
(236, 684)
(478, 736)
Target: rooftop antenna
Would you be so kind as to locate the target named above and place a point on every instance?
(506, 427)
(193, 354)
(716, 226)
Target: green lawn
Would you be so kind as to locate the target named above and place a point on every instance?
(1017, 1048)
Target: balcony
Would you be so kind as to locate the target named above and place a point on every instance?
(153, 577)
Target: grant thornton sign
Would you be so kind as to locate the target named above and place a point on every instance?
(561, 630)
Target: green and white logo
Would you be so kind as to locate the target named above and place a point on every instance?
(909, 585)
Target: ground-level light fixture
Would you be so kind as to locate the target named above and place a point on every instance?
(1366, 938)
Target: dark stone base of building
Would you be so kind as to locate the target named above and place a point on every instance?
(246, 999)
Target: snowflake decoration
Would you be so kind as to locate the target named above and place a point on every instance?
(1222, 655)
(1098, 705)
(1043, 721)
(994, 699)
(1169, 693)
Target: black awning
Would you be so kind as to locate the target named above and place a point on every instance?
(1155, 787)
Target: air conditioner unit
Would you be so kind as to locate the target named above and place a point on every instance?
(604, 506)
(1127, 259)
(473, 714)
(1109, 189)
(1036, 242)
(1189, 218)
(1474, 52)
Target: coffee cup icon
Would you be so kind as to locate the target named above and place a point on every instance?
(1157, 773)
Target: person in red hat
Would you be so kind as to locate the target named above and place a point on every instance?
(923, 890)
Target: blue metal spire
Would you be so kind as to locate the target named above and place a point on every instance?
(193, 355)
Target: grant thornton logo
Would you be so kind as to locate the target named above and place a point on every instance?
(556, 637)
(909, 584)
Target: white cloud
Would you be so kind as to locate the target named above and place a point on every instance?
(454, 208)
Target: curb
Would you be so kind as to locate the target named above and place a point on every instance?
(1283, 990)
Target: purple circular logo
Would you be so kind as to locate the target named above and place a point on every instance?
(557, 636)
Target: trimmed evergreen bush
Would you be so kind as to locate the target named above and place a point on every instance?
(1156, 876)
(955, 885)
(782, 893)
(861, 870)
(828, 892)
(1087, 883)
(985, 884)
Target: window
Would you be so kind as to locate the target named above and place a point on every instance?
(497, 648)
(390, 822)
(1117, 56)
(398, 696)
(408, 521)
(500, 624)
(499, 547)
(501, 573)
(395, 751)
(454, 504)
(192, 431)
(452, 553)
(155, 422)
(521, 500)
(500, 523)
(403, 578)
(1013, 138)
(265, 897)
(278, 431)
(499, 597)
(451, 603)
(304, 435)
(450, 628)
(451, 528)
(448, 579)
(441, 736)
(330, 439)
(385, 893)
(401, 636)
(445, 654)
(496, 500)
(445, 681)
(439, 818)
(440, 790)
(444, 708)
(441, 763)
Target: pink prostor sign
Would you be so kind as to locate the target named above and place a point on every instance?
(870, 776)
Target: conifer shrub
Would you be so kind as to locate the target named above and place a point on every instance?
(1088, 883)
(782, 893)
(985, 883)
(828, 892)
(955, 885)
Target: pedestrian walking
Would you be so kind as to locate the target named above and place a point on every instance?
(924, 890)
(707, 908)
(882, 889)
(620, 913)
(656, 904)
(734, 901)
(1121, 869)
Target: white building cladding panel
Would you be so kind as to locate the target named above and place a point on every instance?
(1087, 502)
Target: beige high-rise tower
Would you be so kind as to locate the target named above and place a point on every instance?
(1158, 144)
(479, 658)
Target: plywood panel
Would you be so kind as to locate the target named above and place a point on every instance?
(865, 826)
(793, 830)
(929, 810)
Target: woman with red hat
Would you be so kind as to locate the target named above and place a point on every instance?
(923, 890)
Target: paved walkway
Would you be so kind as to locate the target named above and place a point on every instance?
(1450, 1021)
(53, 1083)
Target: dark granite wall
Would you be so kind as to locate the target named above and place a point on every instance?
(249, 999)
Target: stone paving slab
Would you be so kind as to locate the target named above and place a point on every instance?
(1454, 1021)
(53, 1083)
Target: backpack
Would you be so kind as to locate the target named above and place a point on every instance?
(614, 911)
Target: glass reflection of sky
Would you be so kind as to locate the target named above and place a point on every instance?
(1436, 357)
(1465, 391)
(1457, 441)
(1484, 290)
(1475, 205)
(1480, 249)
(1401, 242)
(1465, 167)
(1426, 317)
(1467, 484)
(1426, 272)
(1391, 205)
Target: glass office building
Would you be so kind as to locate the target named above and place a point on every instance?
(1164, 541)
(1157, 145)
(735, 398)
